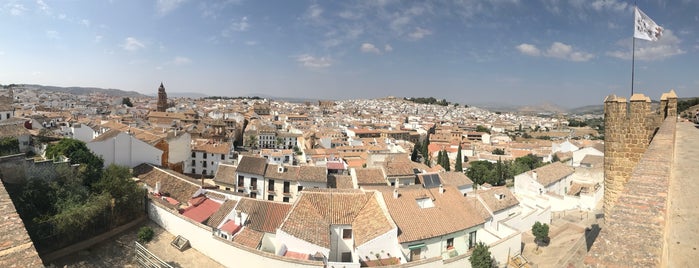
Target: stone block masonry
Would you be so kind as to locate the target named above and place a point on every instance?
(629, 128)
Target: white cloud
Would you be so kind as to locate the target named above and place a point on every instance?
(419, 33)
(98, 39)
(349, 15)
(251, 43)
(51, 34)
(16, 9)
(369, 48)
(613, 5)
(85, 22)
(62, 16)
(314, 13)
(43, 6)
(133, 44)
(180, 60)
(314, 62)
(528, 49)
(241, 25)
(387, 48)
(214, 9)
(667, 46)
(163, 7)
(557, 50)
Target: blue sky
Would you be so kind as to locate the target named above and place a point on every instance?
(567, 52)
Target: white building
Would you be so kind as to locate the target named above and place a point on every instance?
(206, 155)
(122, 148)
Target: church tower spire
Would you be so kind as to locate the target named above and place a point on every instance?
(162, 98)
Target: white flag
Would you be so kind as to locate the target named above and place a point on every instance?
(645, 28)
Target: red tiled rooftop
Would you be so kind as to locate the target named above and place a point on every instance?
(203, 211)
(230, 227)
(297, 255)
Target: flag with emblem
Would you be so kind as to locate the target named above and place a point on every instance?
(645, 28)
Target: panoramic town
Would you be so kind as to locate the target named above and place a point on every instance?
(179, 164)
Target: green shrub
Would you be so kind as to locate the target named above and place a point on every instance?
(145, 234)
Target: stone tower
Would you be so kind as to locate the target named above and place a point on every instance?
(629, 129)
(162, 98)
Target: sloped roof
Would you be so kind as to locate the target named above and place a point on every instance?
(551, 173)
(370, 176)
(202, 211)
(315, 211)
(339, 181)
(249, 238)
(313, 174)
(289, 173)
(451, 212)
(220, 214)
(12, 131)
(170, 184)
(455, 178)
(252, 165)
(498, 198)
(397, 169)
(264, 216)
(225, 174)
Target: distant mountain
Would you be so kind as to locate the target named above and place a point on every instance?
(545, 107)
(193, 95)
(589, 109)
(85, 90)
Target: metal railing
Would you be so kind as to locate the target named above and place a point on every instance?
(144, 258)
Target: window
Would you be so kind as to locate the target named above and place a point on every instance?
(193, 170)
(270, 186)
(471, 239)
(286, 187)
(450, 243)
(194, 154)
(204, 164)
(223, 157)
(270, 197)
(346, 256)
(298, 189)
(194, 163)
(228, 188)
(203, 172)
(241, 181)
(253, 183)
(253, 195)
(285, 199)
(346, 233)
(415, 254)
(204, 155)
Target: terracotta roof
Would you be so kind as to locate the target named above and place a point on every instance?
(202, 211)
(340, 181)
(400, 168)
(289, 173)
(593, 160)
(173, 185)
(225, 174)
(230, 227)
(497, 198)
(551, 173)
(370, 176)
(313, 174)
(252, 165)
(263, 216)
(212, 147)
(12, 131)
(315, 211)
(451, 212)
(220, 214)
(249, 238)
(455, 178)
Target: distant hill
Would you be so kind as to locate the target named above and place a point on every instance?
(545, 107)
(84, 90)
(589, 109)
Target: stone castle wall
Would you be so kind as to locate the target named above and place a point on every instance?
(629, 129)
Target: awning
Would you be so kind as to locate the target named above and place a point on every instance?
(416, 246)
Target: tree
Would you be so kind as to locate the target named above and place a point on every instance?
(445, 160)
(8, 146)
(127, 101)
(555, 158)
(414, 155)
(458, 165)
(541, 234)
(480, 172)
(480, 258)
(498, 151)
(252, 141)
(91, 165)
(480, 128)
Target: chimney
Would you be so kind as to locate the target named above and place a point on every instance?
(534, 175)
(441, 189)
(395, 193)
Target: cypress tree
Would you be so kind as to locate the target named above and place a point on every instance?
(458, 165)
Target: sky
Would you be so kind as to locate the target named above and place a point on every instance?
(519, 52)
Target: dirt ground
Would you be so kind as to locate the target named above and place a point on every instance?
(119, 252)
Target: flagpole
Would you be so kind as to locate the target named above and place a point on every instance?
(633, 61)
